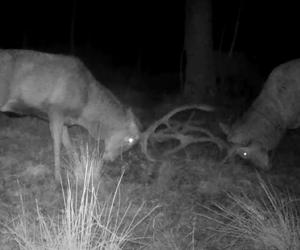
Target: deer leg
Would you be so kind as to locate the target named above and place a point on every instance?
(67, 143)
(56, 129)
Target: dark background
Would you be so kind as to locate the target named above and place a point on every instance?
(116, 32)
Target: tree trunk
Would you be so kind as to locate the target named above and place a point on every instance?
(199, 72)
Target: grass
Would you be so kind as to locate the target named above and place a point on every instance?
(94, 218)
(267, 221)
(97, 211)
(84, 222)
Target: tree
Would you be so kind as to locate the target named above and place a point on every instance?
(199, 72)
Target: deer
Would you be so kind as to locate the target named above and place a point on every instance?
(61, 89)
(260, 129)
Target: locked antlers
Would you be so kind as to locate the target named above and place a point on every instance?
(185, 132)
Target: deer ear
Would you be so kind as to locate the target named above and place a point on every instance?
(130, 113)
(225, 128)
(134, 121)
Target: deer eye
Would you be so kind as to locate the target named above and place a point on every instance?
(244, 154)
(129, 140)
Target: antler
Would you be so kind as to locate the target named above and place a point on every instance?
(184, 132)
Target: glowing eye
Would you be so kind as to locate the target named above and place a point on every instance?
(130, 140)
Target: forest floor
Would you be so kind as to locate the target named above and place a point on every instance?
(186, 201)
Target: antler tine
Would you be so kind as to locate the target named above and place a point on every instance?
(184, 139)
(217, 140)
(231, 151)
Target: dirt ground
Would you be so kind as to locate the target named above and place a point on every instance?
(182, 184)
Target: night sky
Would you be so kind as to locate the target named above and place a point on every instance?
(118, 31)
